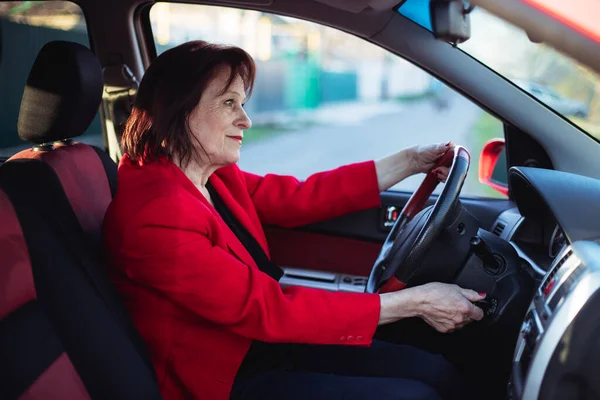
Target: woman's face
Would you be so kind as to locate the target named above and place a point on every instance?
(219, 120)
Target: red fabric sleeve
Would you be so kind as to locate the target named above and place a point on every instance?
(285, 201)
(171, 252)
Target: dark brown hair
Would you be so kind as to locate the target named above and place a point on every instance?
(170, 89)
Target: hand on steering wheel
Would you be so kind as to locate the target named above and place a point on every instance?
(405, 247)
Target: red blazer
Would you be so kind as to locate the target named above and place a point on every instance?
(195, 293)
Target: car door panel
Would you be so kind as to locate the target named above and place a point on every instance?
(347, 246)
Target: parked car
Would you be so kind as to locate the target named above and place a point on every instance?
(561, 104)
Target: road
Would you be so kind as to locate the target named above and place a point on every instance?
(323, 147)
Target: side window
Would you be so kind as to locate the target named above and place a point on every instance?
(25, 27)
(324, 98)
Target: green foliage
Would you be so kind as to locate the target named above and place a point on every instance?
(21, 8)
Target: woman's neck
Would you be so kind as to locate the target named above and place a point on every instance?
(197, 173)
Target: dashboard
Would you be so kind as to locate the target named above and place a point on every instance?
(555, 227)
(541, 238)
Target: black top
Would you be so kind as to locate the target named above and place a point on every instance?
(261, 356)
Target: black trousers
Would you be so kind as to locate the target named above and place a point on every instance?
(383, 371)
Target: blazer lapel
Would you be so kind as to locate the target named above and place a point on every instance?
(233, 243)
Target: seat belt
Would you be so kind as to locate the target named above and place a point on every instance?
(117, 103)
(250, 243)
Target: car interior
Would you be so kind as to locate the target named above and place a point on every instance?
(532, 246)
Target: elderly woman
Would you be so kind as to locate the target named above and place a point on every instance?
(190, 259)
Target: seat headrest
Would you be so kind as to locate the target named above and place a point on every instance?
(62, 95)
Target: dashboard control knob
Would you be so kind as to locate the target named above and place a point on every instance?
(488, 306)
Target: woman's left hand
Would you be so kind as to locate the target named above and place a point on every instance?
(410, 161)
(424, 157)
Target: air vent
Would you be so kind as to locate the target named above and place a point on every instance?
(563, 290)
(498, 229)
(549, 282)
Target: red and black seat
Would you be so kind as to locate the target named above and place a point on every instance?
(63, 331)
(60, 100)
(34, 362)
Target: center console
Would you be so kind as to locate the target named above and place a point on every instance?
(550, 349)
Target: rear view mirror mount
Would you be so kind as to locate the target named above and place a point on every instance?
(450, 20)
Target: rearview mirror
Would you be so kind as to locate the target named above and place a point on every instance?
(492, 166)
(450, 20)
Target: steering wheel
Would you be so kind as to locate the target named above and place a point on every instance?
(407, 243)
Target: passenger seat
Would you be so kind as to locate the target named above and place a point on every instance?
(63, 330)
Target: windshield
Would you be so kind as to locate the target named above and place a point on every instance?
(553, 78)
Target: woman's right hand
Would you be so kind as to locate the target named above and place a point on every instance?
(445, 307)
